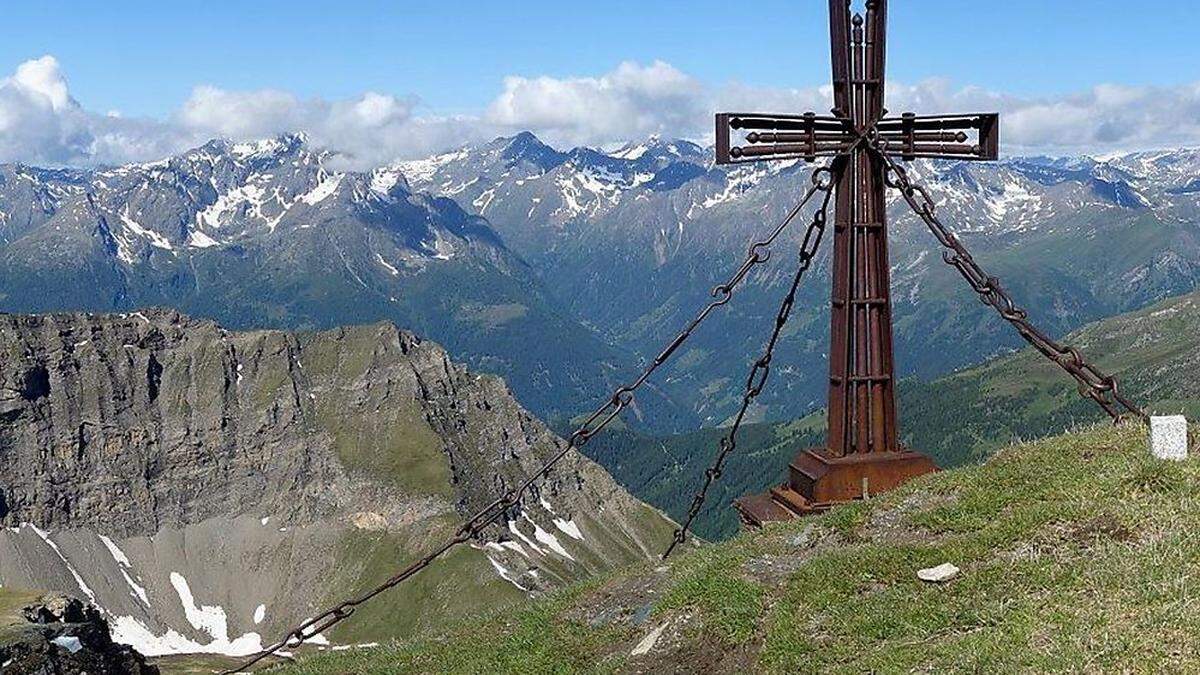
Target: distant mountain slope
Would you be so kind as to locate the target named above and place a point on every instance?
(633, 240)
(266, 234)
(207, 488)
(1153, 352)
(957, 419)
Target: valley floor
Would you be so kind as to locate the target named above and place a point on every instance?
(1078, 553)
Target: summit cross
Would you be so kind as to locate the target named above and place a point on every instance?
(862, 454)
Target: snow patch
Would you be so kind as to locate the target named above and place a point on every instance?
(68, 642)
(547, 538)
(260, 613)
(116, 552)
(484, 200)
(390, 268)
(512, 527)
(129, 631)
(197, 239)
(208, 618)
(569, 528)
(630, 152)
(505, 574)
(156, 239)
(422, 170)
(514, 546)
(227, 203)
(136, 590)
(383, 180)
(324, 189)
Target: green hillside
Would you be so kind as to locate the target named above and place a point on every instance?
(1078, 553)
(957, 419)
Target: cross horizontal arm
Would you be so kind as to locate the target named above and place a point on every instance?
(769, 137)
(970, 137)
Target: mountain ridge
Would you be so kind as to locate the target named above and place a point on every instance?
(191, 481)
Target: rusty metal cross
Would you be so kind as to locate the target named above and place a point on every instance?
(862, 453)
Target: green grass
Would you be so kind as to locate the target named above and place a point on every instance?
(530, 639)
(11, 602)
(1079, 553)
(386, 440)
(369, 558)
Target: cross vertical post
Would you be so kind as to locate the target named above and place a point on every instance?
(862, 409)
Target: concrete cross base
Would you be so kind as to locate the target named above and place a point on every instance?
(1169, 437)
(818, 480)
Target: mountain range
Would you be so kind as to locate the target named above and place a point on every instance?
(634, 240)
(264, 235)
(564, 270)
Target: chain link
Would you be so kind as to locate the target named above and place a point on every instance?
(1091, 381)
(758, 253)
(757, 379)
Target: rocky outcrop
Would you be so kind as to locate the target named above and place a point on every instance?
(164, 467)
(61, 635)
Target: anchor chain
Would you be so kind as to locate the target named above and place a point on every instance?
(1092, 382)
(761, 369)
(759, 252)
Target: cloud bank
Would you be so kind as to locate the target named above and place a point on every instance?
(41, 123)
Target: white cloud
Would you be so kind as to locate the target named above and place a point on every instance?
(41, 81)
(40, 123)
(629, 102)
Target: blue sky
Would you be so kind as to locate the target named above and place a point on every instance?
(145, 59)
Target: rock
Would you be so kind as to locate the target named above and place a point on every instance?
(367, 520)
(66, 635)
(938, 575)
(804, 538)
(60, 609)
(1169, 437)
(648, 642)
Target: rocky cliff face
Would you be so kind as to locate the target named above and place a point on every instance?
(204, 487)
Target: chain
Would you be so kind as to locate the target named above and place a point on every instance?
(759, 253)
(757, 378)
(1092, 382)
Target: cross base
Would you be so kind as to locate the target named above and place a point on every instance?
(818, 481)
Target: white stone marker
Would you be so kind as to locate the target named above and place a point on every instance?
(1169, 437)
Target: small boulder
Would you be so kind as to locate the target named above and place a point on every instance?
(938, 575)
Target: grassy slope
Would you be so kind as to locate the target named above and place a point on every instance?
(11, 602)
(957, 419)
(1079, 553)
